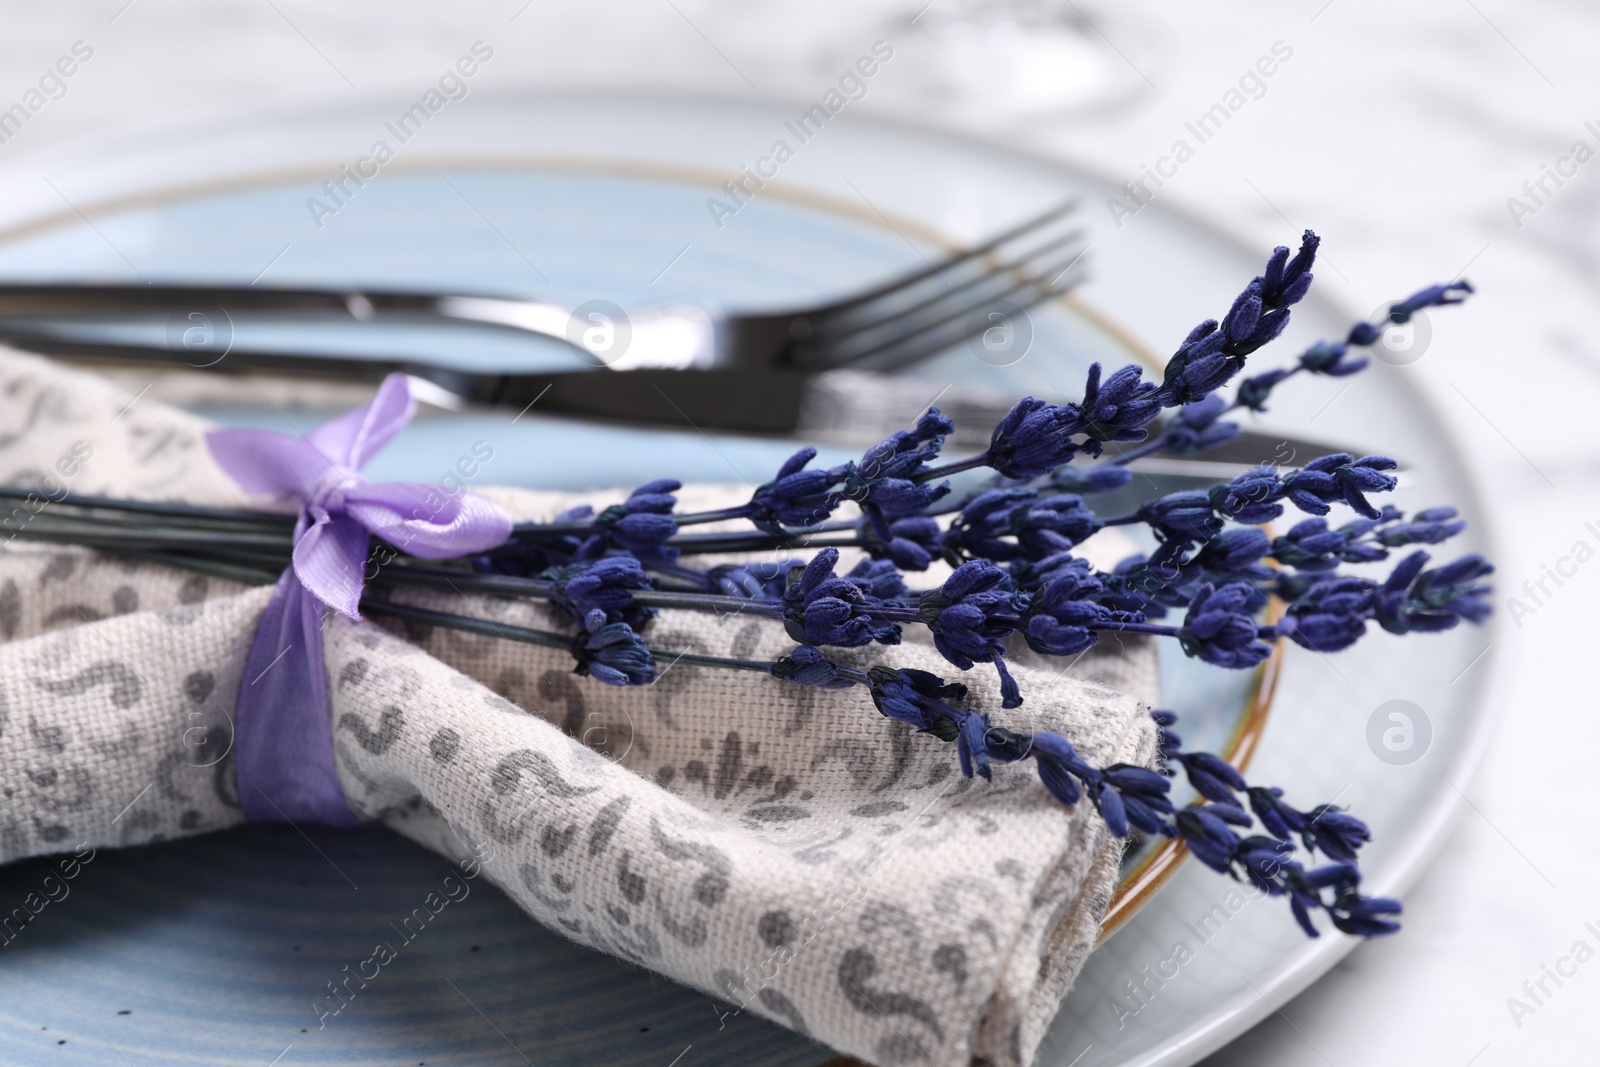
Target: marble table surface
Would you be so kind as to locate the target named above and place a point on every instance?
(1402, 133)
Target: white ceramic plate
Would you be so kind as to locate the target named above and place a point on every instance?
(893, 190)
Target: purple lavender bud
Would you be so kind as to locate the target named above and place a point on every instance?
(1265, 864)
(611, 652)
(1185, 517)
(1279, 819)
(1242, 319)
(1117, 408)
(807, 666)
(878, 579)
(1309, 546)
(914, 542)
(1332, 614)
(1217, 630)
(797, 497)
(1363, 916)
(1235, 556)
(1034, 439)
(1053, 525)
(1206, 830)
(1059, 766)
(1250, 498)
(971, 616)
(605, 585)
(1433, 296)
(1058, 619)
(1332, 359)
(1336, 832)
(1363, 334)
(640, 526)
(981, 528)
(970, 748)
(1426, 528)
(753, 581)
(1255, 391)
(1436, 600)
(916, 698)
(884, 484)
(1338, 478)
(821, 608)
(1142, 795)
(1213, 777)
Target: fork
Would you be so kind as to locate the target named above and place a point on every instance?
(884, 328)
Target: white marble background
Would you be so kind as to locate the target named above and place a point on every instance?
(1398, 131)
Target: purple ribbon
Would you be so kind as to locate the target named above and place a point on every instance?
(283, 737)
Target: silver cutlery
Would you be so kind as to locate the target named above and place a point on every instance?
(819, 373)
(885, 328)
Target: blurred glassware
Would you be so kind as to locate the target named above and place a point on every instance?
(1021, 58)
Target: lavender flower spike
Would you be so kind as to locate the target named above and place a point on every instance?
(807, 666)
(1118, 408)
(605, 585)
(1433, 600)
(1034, 438)
(640, 526)
(612, 653)
(821, 608)
(885, 482)
(1213, 353)
(1340, 479)
(1433, 296)
(1059, 617)
(1218, 630)
(971, 616)
(797, 497)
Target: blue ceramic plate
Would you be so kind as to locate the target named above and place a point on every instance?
(215, 949)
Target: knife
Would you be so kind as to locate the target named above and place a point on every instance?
(852, 408)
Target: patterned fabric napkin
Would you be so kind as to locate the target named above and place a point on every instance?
(788, 850)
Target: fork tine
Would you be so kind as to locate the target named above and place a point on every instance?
(853, 325)
(956, 327)
(855, 328)
(954, 333)
(983, 293)
(952, 260)
(994, 288)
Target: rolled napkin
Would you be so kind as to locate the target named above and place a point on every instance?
(787, 850)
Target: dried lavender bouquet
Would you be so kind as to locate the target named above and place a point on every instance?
(1016, 579)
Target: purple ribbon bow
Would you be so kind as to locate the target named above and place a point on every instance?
(283, 737)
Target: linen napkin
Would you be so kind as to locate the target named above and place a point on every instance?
(787, 850)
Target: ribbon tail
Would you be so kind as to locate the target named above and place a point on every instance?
(283, 753)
